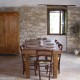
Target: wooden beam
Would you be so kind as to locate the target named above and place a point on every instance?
(55, 5)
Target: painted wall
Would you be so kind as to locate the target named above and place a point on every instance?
(9, 3)
(61, 39)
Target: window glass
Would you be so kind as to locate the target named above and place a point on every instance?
(56, 22)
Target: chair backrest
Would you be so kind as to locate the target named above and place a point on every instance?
(60, 46)
(23, 56)
(56, 42)
(44, 54)
(21, 47)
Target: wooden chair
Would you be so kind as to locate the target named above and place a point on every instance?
(22, 55)
(42, 62)
(56, 42)
(32, 60)
(59, 56)
(60, 46)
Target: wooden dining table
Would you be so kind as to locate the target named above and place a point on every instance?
(30, 48)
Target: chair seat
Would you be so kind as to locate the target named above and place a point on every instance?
(32, 60)
(44, 64)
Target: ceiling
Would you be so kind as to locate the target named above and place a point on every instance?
(17, 3)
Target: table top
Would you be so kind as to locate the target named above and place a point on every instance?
(40, 44)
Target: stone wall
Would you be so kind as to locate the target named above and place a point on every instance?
(33, 23)
(73, 16)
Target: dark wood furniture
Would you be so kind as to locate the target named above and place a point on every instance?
(60, 46)
(30, 50)
(31, 58)
(9, 32)
(42, 62)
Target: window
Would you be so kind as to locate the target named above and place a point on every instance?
(56, 21)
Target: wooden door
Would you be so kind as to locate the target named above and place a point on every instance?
(12, 33)
(2, 33)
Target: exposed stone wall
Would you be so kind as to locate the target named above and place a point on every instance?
(73, 16)
(33, 23)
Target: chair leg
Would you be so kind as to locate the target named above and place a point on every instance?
(39, 73)
(23, 68)
(23, 63)
(59, 64)
(49, 75)
(35, 71)
(50, 71)
(23, 71)
(59, 67)
(46, 67)
(35, 67)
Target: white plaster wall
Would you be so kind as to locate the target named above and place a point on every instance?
(61, 39)
(11, 3)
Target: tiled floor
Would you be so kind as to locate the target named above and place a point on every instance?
(11, 68)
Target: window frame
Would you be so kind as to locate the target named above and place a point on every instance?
(65, 20)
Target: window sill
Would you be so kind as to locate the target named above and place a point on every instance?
(57, 34)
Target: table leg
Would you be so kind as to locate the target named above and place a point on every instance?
(55, 64)
(27, 67)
